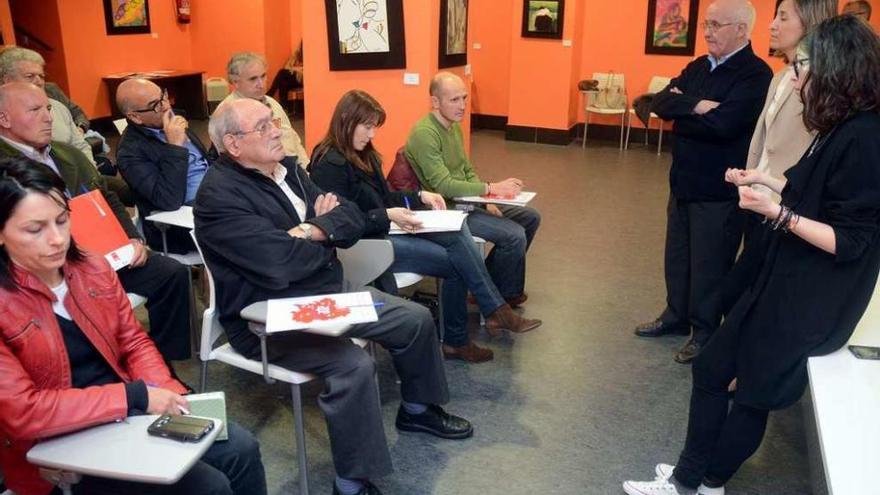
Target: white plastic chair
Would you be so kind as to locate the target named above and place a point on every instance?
(212, 330)
(657, 84)
(604, 79)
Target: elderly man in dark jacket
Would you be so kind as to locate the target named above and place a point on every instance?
(266, 232)
(160, 158)
(715, 103)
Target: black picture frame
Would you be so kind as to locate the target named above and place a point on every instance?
(446, 59)
(114, 28)
(394, 58)
(651, 48)
(542, 29)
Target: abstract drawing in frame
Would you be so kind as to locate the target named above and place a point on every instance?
(453, 33)
(127, 16)
(543, 18)
(365, 34)
(672, 27)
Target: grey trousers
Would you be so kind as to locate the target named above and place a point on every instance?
(350, 401)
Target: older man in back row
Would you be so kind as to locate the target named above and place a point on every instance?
(267, 232)
(715, 103)
(435, 150)
(247, 73)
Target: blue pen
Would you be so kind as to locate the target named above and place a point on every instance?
(406, 202)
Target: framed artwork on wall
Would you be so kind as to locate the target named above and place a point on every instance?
(543, 18)
(453, 33)
(672, 27)
(365, 34)
(127, 16)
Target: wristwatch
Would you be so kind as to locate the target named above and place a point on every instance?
(307, 228)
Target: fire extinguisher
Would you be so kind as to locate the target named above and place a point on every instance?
(183, 11)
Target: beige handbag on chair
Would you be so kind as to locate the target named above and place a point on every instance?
(610, 94)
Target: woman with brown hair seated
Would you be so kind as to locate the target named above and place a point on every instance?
(346, 163)
(72, 354)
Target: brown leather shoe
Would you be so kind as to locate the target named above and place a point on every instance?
(517, 301)
(470, 353)
(505, 318)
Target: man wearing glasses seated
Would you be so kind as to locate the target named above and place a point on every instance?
(160, 158)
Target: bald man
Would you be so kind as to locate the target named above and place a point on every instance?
(26, 130)
(162, 160)
(436, 152)
(715, 103)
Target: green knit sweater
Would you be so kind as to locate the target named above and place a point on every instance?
(437, 156)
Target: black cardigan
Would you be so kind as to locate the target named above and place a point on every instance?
(332, 172)
(706, 145)
(241, 221)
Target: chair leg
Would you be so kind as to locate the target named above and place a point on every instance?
(300, 439)
(648, 130)
(660, 139)
(203, 377)
(441, 327)
(622, 122)
(629, 126)
(193, 324)
(586, 126)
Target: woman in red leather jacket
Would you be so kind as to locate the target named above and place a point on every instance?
(72, 354)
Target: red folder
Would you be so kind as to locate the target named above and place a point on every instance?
(94, 227)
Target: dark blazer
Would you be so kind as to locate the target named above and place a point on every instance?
(80, 176)
(242, 218)
(332, 172)
(156, 172)
(706, 145)
(804, 301)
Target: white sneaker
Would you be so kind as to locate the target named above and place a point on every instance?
(705, 490)
(664, 471)
(656, 487)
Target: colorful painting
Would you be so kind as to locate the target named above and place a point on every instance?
(127, 16)
(453, 33)
(365, 34)
(543, 18)
(363, 26)
(672, 26)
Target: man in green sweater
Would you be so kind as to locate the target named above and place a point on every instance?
(436, 152)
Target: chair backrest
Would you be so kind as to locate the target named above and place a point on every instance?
(402, 177)
(211, 327)
(216, 88)
(120, 125)
(366, 260)
(658, 83)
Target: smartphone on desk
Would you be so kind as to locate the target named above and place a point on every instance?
(864, 352)
(181, 428)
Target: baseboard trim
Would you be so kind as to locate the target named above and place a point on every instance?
(491, 122)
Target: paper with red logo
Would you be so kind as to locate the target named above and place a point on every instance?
(95, 228)
(520, 199)
(331, 313)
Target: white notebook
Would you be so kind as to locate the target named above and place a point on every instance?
(433, 221)
(329, 314)
(520, 199)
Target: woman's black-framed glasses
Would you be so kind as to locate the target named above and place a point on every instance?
(155, 106)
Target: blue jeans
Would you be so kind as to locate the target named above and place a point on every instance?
(454, 257)
(512, 235)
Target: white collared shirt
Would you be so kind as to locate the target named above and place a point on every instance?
(278, 175)
(715, 62)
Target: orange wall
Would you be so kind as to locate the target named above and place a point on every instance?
(487, 25)
(296, 23)
(277, 34)
(223, 27)
(6, 26)
(41, 20)
(403, 104)
(91, 53)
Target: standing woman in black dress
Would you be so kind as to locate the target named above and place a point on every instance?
(818, 265)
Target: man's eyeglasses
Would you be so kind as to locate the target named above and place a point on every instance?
(263, 128)
(715, 25)
(800, 66)
(155, 106)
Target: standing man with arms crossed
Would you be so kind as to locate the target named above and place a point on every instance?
(715, 103)
(436, 152)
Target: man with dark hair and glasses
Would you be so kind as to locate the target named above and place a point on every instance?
(715, 103)
(160, 158)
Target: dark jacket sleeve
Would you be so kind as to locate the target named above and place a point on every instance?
(852, 194)
(735, 115)
(671, 106)
(344, 225)
(156, 173)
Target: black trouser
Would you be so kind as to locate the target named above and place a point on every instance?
(230, 467)
(702, 239)
(165, 284)
(718, 440)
